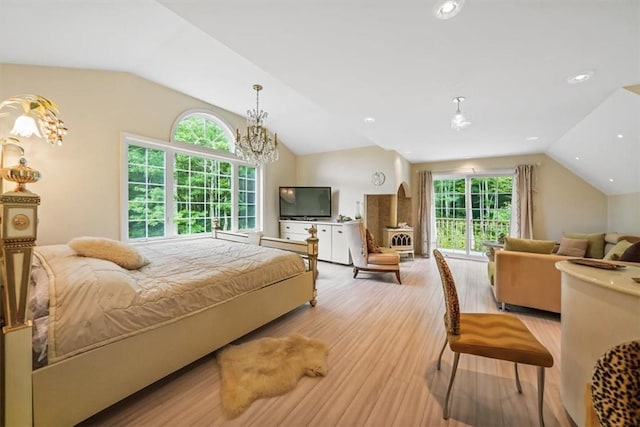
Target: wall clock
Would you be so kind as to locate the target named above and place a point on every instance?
(378, 178)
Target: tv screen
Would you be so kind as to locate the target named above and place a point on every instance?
(305, 202)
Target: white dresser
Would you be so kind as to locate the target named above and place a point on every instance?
(332, 243)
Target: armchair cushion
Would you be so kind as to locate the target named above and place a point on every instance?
(384, 258)
(371, 243)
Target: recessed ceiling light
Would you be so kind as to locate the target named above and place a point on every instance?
(577, 158)
(580, 78)
(620, 136)
(532, 138)
(610, 179)
(446, 9)
(369, 119)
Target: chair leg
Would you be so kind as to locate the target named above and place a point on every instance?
(540, 394)
(355, 272)
(398, 276)
(442, 351)
(447, 410)
(503, 306)
(519, 387)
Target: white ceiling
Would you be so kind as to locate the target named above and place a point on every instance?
(325, 65)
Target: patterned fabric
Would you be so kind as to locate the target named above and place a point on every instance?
(616, 386)
(372, 248)
(452, 316)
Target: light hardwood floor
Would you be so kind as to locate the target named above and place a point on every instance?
(384, 340)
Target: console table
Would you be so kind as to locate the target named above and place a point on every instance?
(600, 309)
(491, 248)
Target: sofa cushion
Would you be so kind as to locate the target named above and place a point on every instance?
(528, 245)
(596, 243)
(616, 252)
(632, 253)
(573, 247)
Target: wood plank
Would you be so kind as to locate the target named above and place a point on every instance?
(384, 341)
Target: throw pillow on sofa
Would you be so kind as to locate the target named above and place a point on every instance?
(616, 252)
(573, 247)
(529, 245)
(596, 243)
(632, 254)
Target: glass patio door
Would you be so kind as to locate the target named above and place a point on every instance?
(470, 209)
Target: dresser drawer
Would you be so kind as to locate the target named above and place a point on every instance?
(294, 227)
(295, 236)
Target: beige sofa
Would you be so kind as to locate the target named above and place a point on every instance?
(531, 279)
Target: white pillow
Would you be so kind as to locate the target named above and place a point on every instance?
(126, 256)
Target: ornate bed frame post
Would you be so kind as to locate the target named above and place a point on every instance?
(19, 220)
(312, 252)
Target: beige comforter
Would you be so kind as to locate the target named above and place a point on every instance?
(94, 302)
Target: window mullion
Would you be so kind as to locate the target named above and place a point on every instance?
(234, 196)
(170, 189)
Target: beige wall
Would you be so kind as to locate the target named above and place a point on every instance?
(80, 183)
(349, 173)
(623, 213)
(562, 200)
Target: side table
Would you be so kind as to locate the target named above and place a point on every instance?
(492, 246)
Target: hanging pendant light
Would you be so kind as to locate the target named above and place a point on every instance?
(459, 121)
(446, 9)
(256, 146)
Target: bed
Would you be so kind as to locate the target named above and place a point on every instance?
(167, 313)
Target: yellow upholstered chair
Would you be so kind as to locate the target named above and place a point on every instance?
(387, 261)
(498, 336)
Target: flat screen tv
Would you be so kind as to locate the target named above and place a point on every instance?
(305, 202)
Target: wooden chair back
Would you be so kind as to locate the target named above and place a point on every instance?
(452, 315)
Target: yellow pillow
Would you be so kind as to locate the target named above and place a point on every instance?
(529, 245)
(616, 252)
(126, 256)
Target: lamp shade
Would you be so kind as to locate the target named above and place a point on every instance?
(25, 126)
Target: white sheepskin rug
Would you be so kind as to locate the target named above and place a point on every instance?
(267, 367)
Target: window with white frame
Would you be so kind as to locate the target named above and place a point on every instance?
(177, 188)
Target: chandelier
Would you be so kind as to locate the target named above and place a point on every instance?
(256, 146)
(459, 121)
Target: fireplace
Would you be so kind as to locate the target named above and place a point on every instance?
(399, 239)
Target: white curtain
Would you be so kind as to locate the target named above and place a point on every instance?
(425, 216)
(522, 202)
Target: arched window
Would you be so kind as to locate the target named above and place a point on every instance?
(203, 129)
(173, 189)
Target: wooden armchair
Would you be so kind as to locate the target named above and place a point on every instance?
(498, 336)
(386, 261)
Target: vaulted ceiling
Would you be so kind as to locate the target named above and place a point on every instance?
(326, 65)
